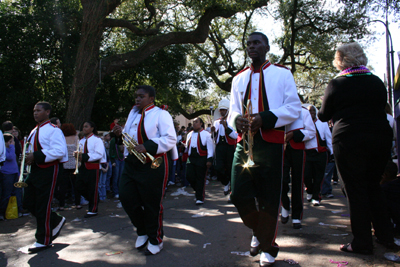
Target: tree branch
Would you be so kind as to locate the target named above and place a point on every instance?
(193, 115)
(131, 59)
(121, 23)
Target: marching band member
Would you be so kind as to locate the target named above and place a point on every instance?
(49, 150)
(275, 103)
(200, 148)
(298, 136)
(92, 154)
(317, 158)
(141, 187)
(225, 141)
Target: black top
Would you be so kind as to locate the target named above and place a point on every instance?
(355, 104)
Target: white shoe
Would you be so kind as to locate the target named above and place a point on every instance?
(214, 178)
(154, 249)
(141, 241)
(207, 182)
(309, 197)
(199, 202)
(315, 202)
(266, 259)
(226, 188)
(36, 247)
(116, 196)
(284, 212)
(84, 202)
(170, 183)
(254, 246)
(254, 242)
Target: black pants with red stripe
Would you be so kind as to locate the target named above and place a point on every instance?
(37, 200)
(141, 191)
(87, 184)
(293, 168)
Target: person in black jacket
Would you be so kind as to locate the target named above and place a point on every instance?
(355, 100)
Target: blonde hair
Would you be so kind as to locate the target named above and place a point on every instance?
(349, 55)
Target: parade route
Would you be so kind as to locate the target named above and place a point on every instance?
(211, 235)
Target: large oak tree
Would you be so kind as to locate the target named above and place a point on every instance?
(156, 23)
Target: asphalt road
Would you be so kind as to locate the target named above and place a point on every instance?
(211, 235)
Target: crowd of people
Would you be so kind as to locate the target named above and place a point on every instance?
(262, 145)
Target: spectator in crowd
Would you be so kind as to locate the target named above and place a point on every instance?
(105, 167)
(69, 176)
(8, 128)
(390, 184)
(117, 161)
(2, 151)
(9, 174)
(355, 99)
(114, 123)
(56, 121)
(17, 133)
(189, 127)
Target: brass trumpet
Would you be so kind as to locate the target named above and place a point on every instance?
(21, 182)
(250, 141)
(77, 158)
(131, 143)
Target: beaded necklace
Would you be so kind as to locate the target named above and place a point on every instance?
(354, 71)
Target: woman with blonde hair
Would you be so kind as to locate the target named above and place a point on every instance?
(355, 100)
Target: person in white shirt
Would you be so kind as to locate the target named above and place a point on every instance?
(225, 144)
(317, 158)
(142, 187)
(92, 153)
(298, 136)
(49, 150)
(275, 103)
(200, 149)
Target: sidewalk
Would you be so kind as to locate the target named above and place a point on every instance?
(211, 235)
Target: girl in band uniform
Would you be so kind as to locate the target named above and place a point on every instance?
(200, 150)
(91, 155)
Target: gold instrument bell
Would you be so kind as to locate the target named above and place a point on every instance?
(130, 145)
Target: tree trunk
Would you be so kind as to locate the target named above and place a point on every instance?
(86, 75)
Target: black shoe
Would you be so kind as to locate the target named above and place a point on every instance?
(392, 246)
(61, 225)
(254, 251)
(284, 220)
(88, 215)
(297, 226)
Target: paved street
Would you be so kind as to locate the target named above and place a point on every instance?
(207, 235)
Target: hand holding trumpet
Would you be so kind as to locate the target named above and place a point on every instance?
(78, 155)
(29, 160)
(243, 124)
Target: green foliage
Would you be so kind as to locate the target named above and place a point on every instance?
(37, 53)
(165, 70)
(377, 7)
(311, 31)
